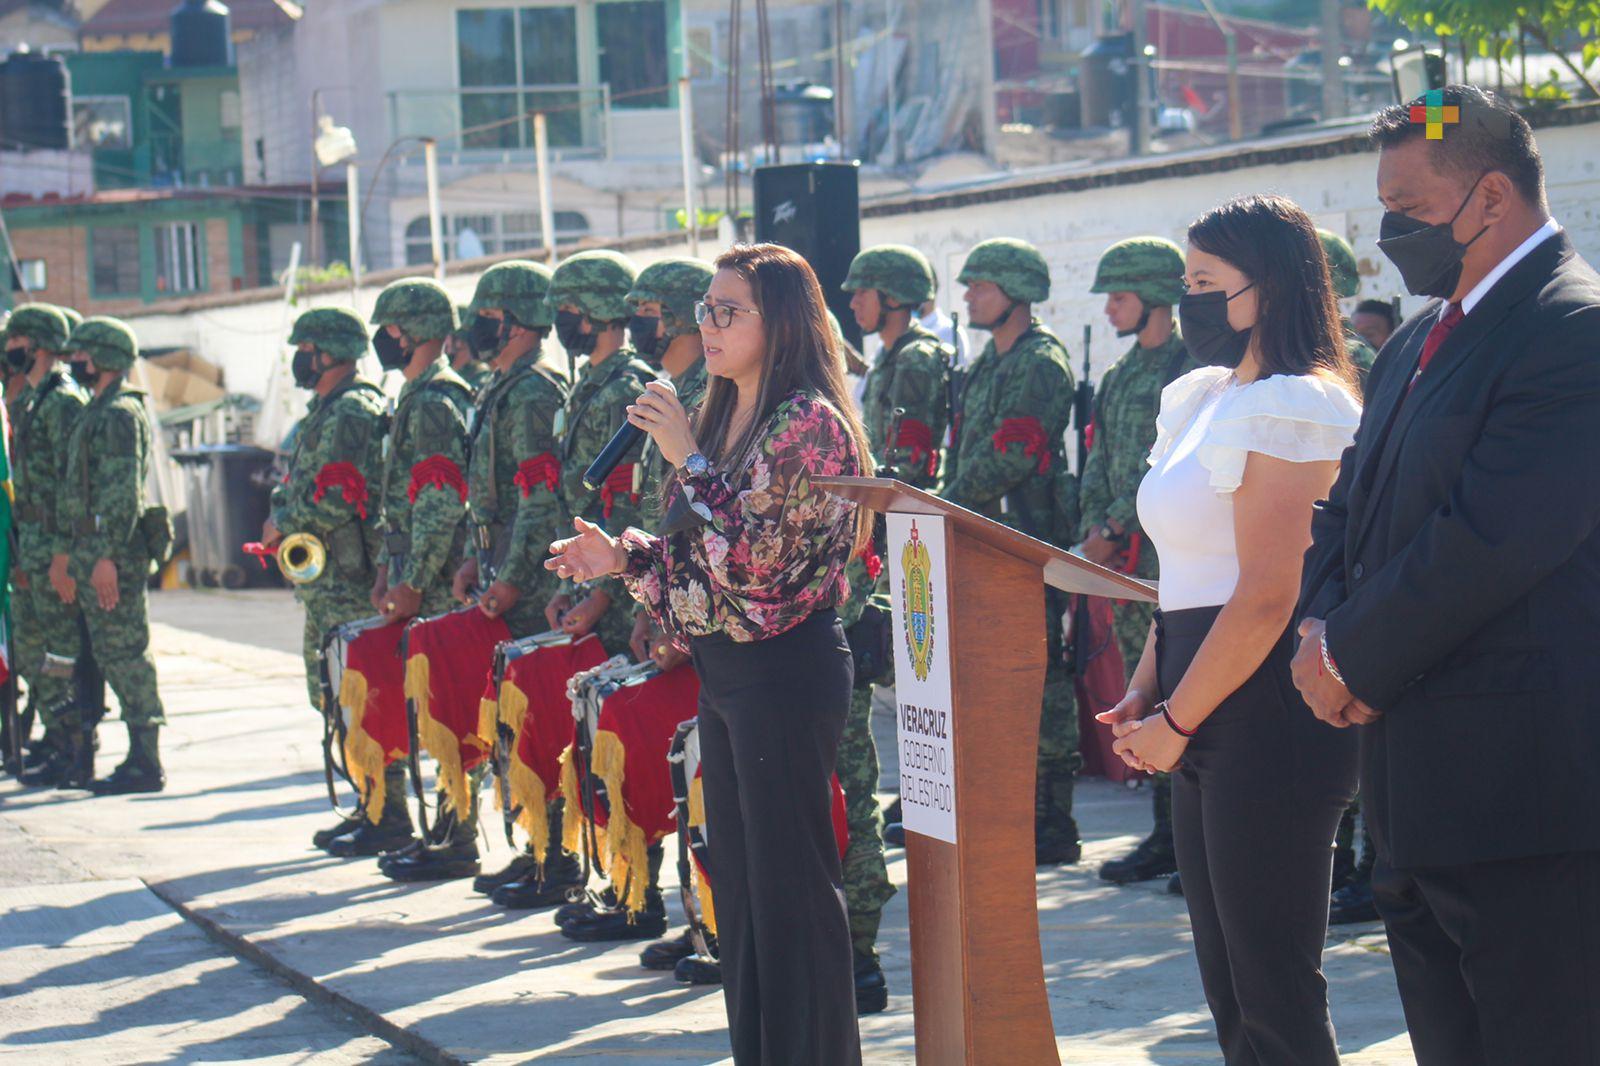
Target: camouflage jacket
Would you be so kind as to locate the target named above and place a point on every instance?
(1124, 431)
(424, 493)
(40, 433)
(330, 491)
(102, 494)
(1014, 413)
(909, 374)
(652, 468)
(514, 477)
(477, 374)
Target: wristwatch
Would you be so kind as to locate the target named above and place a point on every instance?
(697, 465)
(1107, 533)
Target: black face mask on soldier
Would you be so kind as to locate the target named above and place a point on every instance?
(305, 369)
(391, 351)
(488, 335)
(83, 372)
(1427, 255)
(20, 358)
(569, 331)
(1203, 319)
(642, 335)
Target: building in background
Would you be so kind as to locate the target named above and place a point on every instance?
(145, 25)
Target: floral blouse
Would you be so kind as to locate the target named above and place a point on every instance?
(773, 547)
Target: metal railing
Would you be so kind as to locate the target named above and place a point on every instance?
(498, 119)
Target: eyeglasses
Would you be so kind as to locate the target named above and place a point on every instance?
(721, 315)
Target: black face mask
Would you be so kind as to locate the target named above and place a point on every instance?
(1203, 319)
(487, 336)
(569, 331)
(19, 358)
(642, 335)
(84, 373)
(1427, 255)
(392, 354)
(304, 368)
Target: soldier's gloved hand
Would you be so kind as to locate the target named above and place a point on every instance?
(640, 641)
(104, 580)
(466, 577)
(66, 588)
(499, 598)
(558, 606)
(401, 602)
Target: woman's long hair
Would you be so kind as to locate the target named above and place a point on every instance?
(1273, 243)
(801, 355)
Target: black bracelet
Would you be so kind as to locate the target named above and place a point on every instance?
(1172, 722)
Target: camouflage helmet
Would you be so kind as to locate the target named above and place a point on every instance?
(334, 330)
(518, 286)
(420, 306)
(1015, 266)
(107, 341)
(1149, 267)
(74, 320)
(677, 285)
(43, 324)
(463, 318)
(595, 282)
(1341, 264)
(903, 274)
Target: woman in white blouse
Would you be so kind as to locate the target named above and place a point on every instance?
(1244, 446)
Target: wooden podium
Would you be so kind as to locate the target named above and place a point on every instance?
(976, 969)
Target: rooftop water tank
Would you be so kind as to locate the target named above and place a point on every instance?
(202, 34)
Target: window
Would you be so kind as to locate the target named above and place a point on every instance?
(101, 122)
(633, 51)
(177, 257)
(505, 54)
(114, 259)
(228, 108)
(702, 53)
(490, 234)
(29, 276)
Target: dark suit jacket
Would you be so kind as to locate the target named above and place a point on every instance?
(1457, 563)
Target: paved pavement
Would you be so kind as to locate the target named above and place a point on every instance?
(289, 955)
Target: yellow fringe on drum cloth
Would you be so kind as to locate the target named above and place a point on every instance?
(697, 817)
(362, 754)
(526, 790)
(436, 738)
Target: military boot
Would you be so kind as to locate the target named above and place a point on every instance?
(555, 885)
(664, 954)
(393, 830)
(443, 828)
(520, 866)
(46, 765)
(615, 923)
(79, 772)
(346, 825)
(140, 771)
(1055, 831)
(457, 857)
(1154, 857)
(872, 990)
(697, 970)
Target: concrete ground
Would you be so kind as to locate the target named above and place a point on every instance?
(200, 926)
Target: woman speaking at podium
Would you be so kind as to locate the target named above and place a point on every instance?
(745, 574)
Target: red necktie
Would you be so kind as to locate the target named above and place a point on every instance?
(1441, 329)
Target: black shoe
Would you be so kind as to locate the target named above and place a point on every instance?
(534, 893)
(46, 751)
(894, 835)
(49, 771)
(1153, 858)
(892, 813)
(872, 991)
(697, 970)
(665, 954)
(404, 852)
(367, 839)
(1174, 885)
(1352, 904)
(519, 867)
(586, 906)
(128, 779)
(617, 924)
(347, 825)
(437, 862)
(1058, 852)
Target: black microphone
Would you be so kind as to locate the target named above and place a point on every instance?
(620, 444)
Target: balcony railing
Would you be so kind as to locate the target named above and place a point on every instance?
(497, 119)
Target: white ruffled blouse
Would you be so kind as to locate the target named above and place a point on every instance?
(1207, 427)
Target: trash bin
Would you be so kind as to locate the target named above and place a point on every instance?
(229, 488)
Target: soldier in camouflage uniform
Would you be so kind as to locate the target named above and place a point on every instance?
(36, 336)
(1142, 278)
(328, 493)
(513, 480)
(113, 542)
(464, 356)
(1346, 284)
(1014, 412)
(422, 496)
(1352, 876)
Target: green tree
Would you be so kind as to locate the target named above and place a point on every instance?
(1495, 27)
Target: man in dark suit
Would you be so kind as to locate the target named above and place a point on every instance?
(1451, 607)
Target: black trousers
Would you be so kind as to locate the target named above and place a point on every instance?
(1255, 805)
(1498, 962)
(771, 715)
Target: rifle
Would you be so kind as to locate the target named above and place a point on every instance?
(952, 382)
(1077, 652)
(503, 739)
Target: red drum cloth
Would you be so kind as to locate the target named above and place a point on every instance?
(373, 699)
(447, 660)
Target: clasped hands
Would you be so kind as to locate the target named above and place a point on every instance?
(1328, 697)
(1145, 740)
